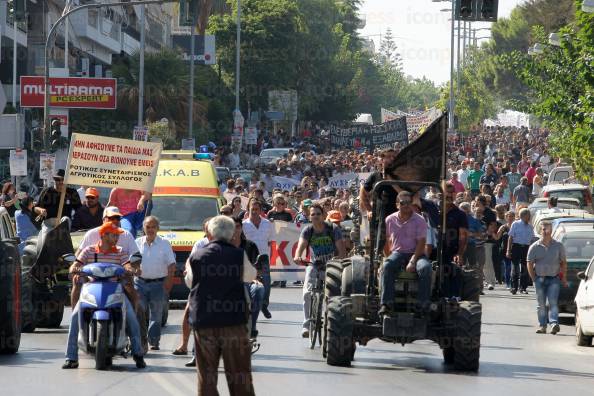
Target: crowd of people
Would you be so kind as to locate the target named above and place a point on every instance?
(492, 175)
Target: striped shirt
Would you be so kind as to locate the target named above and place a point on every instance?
(93, 254)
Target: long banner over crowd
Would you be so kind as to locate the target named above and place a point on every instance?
(370, 136)
(109, 162)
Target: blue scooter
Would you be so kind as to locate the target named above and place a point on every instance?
(102, 312)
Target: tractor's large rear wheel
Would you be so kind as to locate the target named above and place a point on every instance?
(339, 338)
(471, 285)
(333, 282)
(467, 341)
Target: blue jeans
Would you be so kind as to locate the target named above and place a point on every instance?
(266, 281)
(131, 325)
(506, 265)
(132, 222)
(257, 296)
(152, 295)
(547, 288)
(396, 263)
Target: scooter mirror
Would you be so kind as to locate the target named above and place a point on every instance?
(135, 258)
(68, 258)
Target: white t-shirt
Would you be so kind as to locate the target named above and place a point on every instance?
(125, 241)
(261, 235)
(156, 257)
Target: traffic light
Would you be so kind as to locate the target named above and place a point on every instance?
(488, 10)
(20, 8)
(55, 134)
(465, 10)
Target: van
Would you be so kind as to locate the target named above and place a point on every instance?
(186, 193)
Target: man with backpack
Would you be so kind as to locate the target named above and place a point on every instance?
(325, 241)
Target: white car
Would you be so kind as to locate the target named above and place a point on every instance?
(578, 191)
(584, 301)
(562, 203)
(560, 173)
(269, 156)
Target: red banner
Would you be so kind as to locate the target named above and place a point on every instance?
(70, 92)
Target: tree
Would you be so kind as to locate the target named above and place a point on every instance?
(561, 87)
(388, 52)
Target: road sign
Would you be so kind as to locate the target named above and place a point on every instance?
(251, 135)
(189, 144)
(140, 133)
(18, 162)
(204, 47)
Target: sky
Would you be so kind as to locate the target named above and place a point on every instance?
(422, 33)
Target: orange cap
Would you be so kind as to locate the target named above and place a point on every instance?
(110, 228)
(92, 192)
(334, 216)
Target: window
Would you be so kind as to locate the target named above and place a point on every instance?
(183, 213)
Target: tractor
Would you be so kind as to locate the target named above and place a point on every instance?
(352, 291)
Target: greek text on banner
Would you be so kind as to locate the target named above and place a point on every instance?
(109, 162)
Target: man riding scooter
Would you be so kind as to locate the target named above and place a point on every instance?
(105, 251)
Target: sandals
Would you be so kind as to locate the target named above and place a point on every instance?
(179, 352)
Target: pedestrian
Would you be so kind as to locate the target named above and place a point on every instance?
(279, 211)
(303, 215)
(458, 186)
(219, 310)
(49, 200)
(474, 179)
(520, 237)
(156, 279)
(325, 241)
(406, 233)
(8, 199)
(521, 194)
(456, 241)
(132, 205)
(90, 214)
(547, 266)
(260, 231)
(26, 227)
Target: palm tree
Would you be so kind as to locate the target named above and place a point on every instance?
(165, 89)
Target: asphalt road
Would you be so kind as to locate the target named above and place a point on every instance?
(514, 361)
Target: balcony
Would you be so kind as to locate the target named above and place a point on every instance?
(92, 25)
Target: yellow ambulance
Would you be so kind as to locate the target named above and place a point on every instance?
(186, 193)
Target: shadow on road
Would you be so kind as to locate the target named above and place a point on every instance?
(293, 370)
(31, 356)
(506, 324)
(280, 307)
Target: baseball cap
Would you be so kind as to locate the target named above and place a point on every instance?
(111, 211)
(59, 174)
(334, 216)
(307, 203)
(92, 192)
(110, 228)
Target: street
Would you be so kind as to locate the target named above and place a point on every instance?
(514, 360)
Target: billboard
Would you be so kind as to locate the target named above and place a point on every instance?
(70, 92)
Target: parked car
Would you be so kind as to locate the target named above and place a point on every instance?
(572, 221)
(578, 191)
(10, 286)
(559, 174)
(553, 214)
(584, 301)
(562, 203)
(245, 174)
(269, 156)
(578, 240)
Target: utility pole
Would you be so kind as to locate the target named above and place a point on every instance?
(452, 49)
(141, 67)
(14, 62)
(458, 60)
(191, 94)
(237, 55)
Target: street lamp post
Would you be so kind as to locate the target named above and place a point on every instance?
(141, 66)
(452, 100)
(237, 55)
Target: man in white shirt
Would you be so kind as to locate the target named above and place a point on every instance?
(156, 279)
(126, 240)
(463, 173)
(259, 231)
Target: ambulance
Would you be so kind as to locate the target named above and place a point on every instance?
(186, 193)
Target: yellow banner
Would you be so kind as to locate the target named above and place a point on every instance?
(100, 161)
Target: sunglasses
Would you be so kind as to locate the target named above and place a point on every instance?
(404, 203)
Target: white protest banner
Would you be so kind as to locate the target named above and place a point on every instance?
(100, 161)
(284, 183)
(283, 246)
(341, 180)
(388, 115)
(18, 162)
(47, 163)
